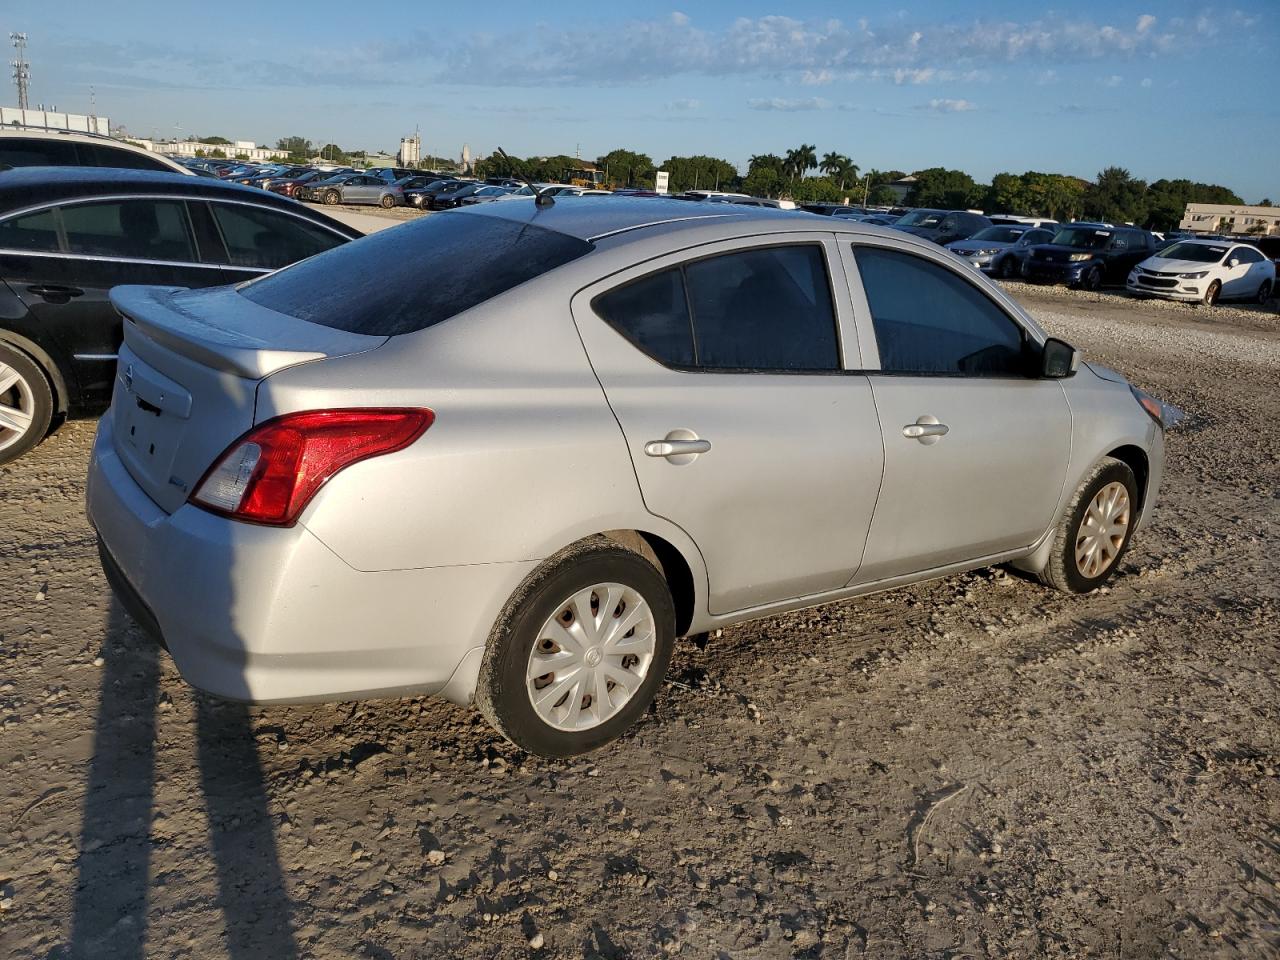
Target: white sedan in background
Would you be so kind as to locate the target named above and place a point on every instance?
(1205, 271)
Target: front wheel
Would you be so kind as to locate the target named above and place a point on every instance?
(1211, 295)
(26, 403)
(1264, 291)
(1095, 529)
(1092, 279)
(1009, 268)
(579, 652)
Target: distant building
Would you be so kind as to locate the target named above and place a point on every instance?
(236, 150)
(1225, 218)
(52, 119)
(466, 158)
(410, 151)
(901, 188)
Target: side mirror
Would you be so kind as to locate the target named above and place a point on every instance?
(1233, 262)
(1058, 360)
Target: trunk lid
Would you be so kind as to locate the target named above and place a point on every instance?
(188, 374)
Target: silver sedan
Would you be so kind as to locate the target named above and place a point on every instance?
(598, 426)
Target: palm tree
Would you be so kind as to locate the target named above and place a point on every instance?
(838, 166)
(806, 157)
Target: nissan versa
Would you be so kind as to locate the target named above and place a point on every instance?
(608, 424)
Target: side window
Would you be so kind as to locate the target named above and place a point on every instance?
(37, 152)
(1247, 255)
(764, 309)
(266, 239)
(949, 224)
(653, 314)
(1119, 242)
(927, 320)
(103, 156)
(139, 229)
(35, 231)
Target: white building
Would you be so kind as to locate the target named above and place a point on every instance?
(1229, 219)
(237, 150)
(410, 151)
(52, 119)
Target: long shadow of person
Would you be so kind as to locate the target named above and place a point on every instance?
(110, 906)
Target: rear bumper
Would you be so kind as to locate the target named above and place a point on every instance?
(271, 615)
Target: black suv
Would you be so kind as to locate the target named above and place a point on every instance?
(942, 226)
(1089, 255)
(70, 234)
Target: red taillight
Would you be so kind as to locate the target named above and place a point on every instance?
(271, 473)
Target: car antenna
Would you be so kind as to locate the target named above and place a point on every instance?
(540, 199)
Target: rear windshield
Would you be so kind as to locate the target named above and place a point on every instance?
(411, 277)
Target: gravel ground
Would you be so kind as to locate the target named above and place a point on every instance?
(975, 767)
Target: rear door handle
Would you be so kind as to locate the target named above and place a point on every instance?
(54, 293)
(676, 448)
(926, 429)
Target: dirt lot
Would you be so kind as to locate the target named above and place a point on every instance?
(973, 767)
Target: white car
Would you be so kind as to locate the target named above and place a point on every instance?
(1204, 271)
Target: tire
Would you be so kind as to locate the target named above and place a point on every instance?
(544, 608)
(26, 403)
(1009, 268)
(1264, 291)
(1211, 295)
(331, 197)
(1092, 279)
(388, 201)
(1066, 571)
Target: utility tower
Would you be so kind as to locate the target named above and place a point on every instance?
(21, 68)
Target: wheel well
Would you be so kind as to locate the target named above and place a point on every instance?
(1136, 459)
(670, 563)
(61, 398)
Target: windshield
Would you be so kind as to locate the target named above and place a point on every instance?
(1199, 252)
(378, 286)
(1082, 238)
(1000, 234)
(921, 218)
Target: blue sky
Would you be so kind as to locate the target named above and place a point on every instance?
(1167, 88)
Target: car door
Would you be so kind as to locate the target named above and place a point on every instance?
(100, 244)
(364, 189)
(1244, 278)
(975, 451)
(248, 240)
(723, 368)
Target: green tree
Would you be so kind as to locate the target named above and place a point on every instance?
(1116, 196)
(801, 160)
(881, 195)
(1007, 194)
(1166, 200)
(222, 140)
(764, 181)
(948, 189)
(815, 190)
(218, 153)
(295, 146)
(334, 154)
(1266, 202)
(839, 167)
(700, 173)
(626, 168)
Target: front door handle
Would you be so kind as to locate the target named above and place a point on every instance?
(676, 448)
(54, 293)
(926, 429)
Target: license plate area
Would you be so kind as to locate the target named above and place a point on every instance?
(149, 414)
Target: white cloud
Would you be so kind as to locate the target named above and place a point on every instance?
(679, 19)
(684, 104)
(1112, 81)
(788, 105)
(946, 105)
(1146, 83)
(1047, 77)
(819, 78)
(1145, 23)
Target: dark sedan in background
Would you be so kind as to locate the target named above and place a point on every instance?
(70, 234)
(942, 226)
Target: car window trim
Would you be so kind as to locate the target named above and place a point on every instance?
(8, 252)
(862, 308)
(727, 248)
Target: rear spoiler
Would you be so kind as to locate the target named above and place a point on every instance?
(225, 331)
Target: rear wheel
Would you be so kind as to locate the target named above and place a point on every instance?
(331, 197)
(1264, 291)
(1095, 529)
(388, 201)
(26, 404)
(1211, 295)
(579, 652)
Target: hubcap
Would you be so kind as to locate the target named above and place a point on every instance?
(591, 656)
(17, 406)
(1102, 530)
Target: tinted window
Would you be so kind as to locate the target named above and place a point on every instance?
(767, 309)
(652, 313)
(381, 285)
(1246, 255)
(142, 229)
(21, 152)
(928, 320)
(35, 231)
(267, 239)
(104, 156)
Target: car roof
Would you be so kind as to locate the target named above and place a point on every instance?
(30, 186)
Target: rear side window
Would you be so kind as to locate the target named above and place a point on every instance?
(929, 321)
(762, 309)
(35, 231)
(137, 229)
(267, 240)
(34, 152)
(101, 155)
(416, 275)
